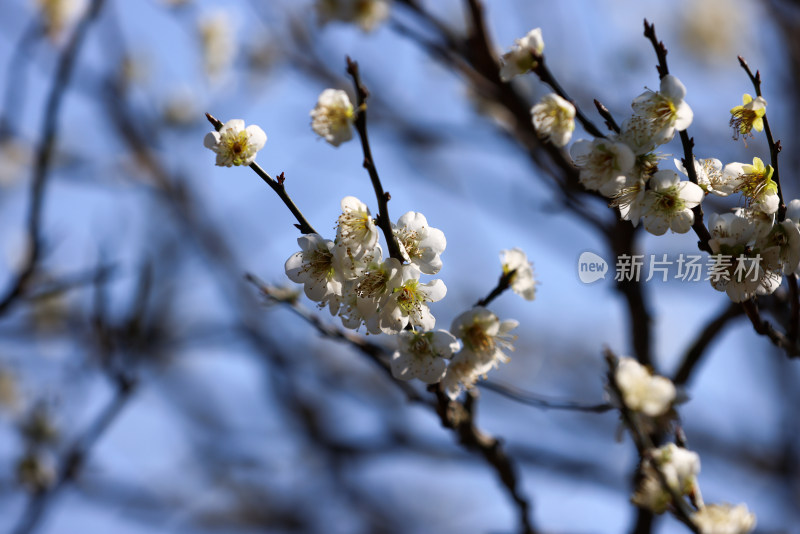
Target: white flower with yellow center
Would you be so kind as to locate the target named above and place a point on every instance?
(420, 244)
(630, 201)
(786, 236)
(724, 519)
(755, 183)
(523, 56)
(368, 14)
(462, 373)
(422, 355)
(234, 144)
(709, 174)
(668, 203)
(554, 119)
(604, 164)
(522, 281)
(484, 336)
(641, 390)
(658, 115)
(356, 233)
(333, 116)
(407, 302)
(313, 267)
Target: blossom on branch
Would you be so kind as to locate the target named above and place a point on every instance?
(333, 116)
(523, 56)
(522, 282)
(420, 244)
(668, 204)
(642, 391)
(679, 468)
(749, 116)
(709, 174)
(313, 267)
(554, 119)
(755, 183)
(657, 116)
(407, 302)
(422, 355)
(604, 164)
(356, 233)
(234, 144)
(485, 338)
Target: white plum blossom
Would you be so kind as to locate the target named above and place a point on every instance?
(554, 119)
(523, 56)
(740, 269)
(422, 355)
(368, 14)
(462, 373)
(217, 42)
(356, 233)
(668, 203)
(369, 292)
(630, 201)
(313, 267)
(333, 116)
(679, 468)
(710, 177)
(407, 302)
(786, 236)
(604, 164)
(658, 115)
(234, 144)
(724, 519)
(484, 337)
(522, 282)
(420, 244)
(641, 390)
(755, 183)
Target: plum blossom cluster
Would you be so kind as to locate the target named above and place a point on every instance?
(367, 14)
(350, 276)
(668, 473)
(625, 168)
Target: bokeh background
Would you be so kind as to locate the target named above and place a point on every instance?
(243, 419)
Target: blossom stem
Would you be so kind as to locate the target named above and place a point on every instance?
(384, 222)
(774, 148)
(277, 185)
(502, 284)
(607, 116)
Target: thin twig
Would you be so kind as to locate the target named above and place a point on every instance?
(607, 116)
(703, 341)
(502, 284)
(532, 399)
(765, 328)
(384, 222)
